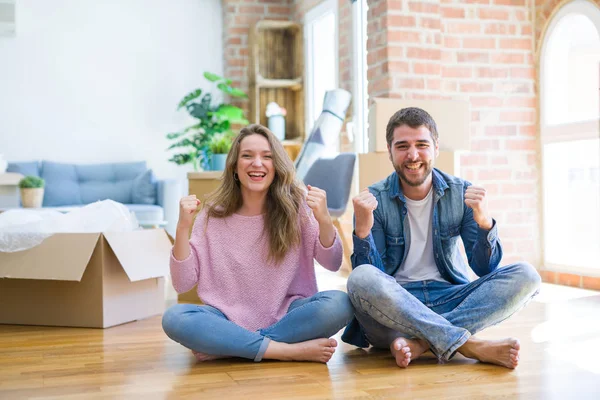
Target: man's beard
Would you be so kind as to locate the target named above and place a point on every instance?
(416, 181)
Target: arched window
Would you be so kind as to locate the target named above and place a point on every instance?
(570, 134)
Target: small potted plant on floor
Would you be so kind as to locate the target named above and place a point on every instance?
(219, 146)
(32, 191)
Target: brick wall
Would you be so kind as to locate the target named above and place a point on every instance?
(481, 51)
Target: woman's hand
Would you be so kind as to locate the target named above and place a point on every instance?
(317, 201)
(187, 208)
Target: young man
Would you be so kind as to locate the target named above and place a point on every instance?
(410, 286)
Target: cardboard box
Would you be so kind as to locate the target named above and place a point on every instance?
(94, 280)
(452, 118)
(373, 167)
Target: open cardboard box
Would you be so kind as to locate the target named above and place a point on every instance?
(94, 280)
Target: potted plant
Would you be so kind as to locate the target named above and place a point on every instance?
(211, 119)
(32, 191)
(219, 146)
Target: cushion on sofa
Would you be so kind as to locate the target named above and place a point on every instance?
(62, 184)
(24, 168)
(144, 188)
(109, 181)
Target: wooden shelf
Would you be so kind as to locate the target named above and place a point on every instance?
(293, 84)
(276, 73)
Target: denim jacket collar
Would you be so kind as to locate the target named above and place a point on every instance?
(439, 186)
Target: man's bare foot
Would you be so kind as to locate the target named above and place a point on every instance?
(500, 352)
(319, 350)
(206, 357)
(405, 350)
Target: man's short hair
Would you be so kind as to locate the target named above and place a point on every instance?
(413, 117)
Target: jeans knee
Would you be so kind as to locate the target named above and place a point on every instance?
(528, 279)
(337, 309)
(361, 278)
(171, 319)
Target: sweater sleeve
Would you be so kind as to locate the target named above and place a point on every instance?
(329, 257)
(184, 273)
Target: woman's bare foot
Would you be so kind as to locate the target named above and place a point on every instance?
(500, 352)
(405, 350)
(319, 350)
(206, 357)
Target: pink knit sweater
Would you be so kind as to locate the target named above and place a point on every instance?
(229, 263)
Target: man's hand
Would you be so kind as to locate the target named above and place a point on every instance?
(187, 207)
(317, 201)
(364, 205)
(475, 198)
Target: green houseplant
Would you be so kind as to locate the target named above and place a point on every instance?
(32, 191)
(211, 120)
(219, 146)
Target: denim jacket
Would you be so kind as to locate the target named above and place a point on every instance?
(387, 245)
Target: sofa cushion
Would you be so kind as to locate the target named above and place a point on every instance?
(144, 188)
(27, 168)
(62, 185)
(108, 181)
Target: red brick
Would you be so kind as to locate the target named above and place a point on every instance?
(396, 66)
(452, 42)
(433, 84)
(452, 12)
(411, 83)
(520, 102)
(484, 144)
(526, 144)
(479, 43)
(472, 57)
(426, 68)
(591, 282)
(528, 130)
(233, 40)
(462, 27)
(422, 7)
(487, 72)
(253, 10)
(525, 73)
(403, 36)
(508, 58)
(473, 159)
(490, 13)
(494, 174)
(423, 53)
(569, 279)
(518, 188)
(549, 276)
(429, 23)
(401, 21)
(517, 116)
(499, 160)
(500, 29)
(479, 102)
(456, 72)
(476, 87)
(516, 43)
(509, 2)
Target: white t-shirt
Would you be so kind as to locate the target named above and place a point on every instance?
(419, 264)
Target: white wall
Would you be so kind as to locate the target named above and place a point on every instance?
(99, 81)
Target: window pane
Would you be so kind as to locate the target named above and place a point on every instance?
(572, 203)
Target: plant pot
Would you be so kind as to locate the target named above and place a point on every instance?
(217, 162)
(32, 198)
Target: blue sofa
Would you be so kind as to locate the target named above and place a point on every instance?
(154, 202)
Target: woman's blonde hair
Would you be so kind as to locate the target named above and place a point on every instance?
(284, 196)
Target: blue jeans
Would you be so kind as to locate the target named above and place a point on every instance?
(207, 330)
(443, 314)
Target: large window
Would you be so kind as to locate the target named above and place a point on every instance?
(321, 36)
(570, 133)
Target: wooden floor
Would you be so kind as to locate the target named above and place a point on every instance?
(559, 333)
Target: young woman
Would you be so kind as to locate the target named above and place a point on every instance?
(251, 253)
